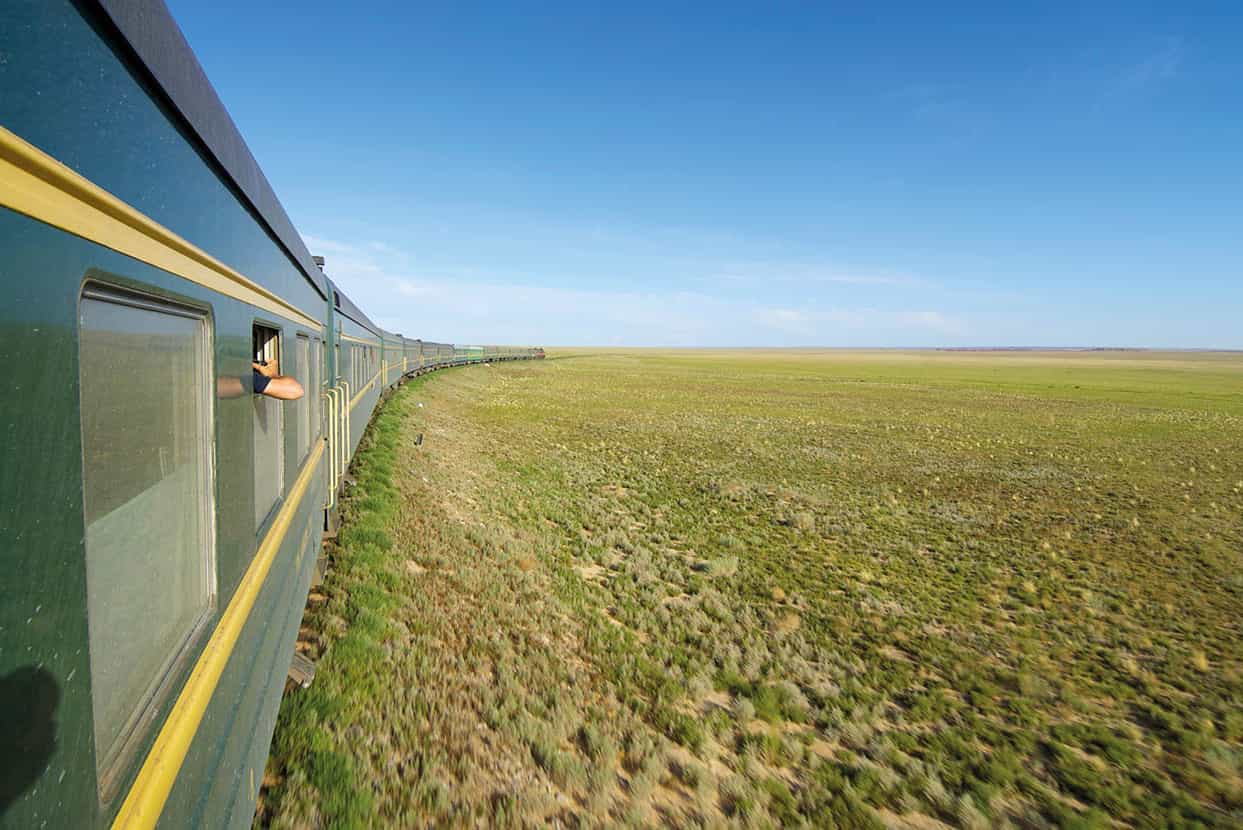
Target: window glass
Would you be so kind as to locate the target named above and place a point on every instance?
(308, 395)
(269, 432)
(148, 499)
(313, 391)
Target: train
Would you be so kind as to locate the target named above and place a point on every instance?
(160, 522)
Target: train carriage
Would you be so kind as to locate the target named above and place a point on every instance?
(393, 365)
(414, 356)
(359, 346)
(160, 521)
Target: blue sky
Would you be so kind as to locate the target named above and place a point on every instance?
(755, 174)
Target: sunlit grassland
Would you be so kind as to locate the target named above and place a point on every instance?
(772, 587)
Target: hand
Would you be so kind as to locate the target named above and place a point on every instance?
(268, 370)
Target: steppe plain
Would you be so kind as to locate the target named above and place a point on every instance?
(773, 588)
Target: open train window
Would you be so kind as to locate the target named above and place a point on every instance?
(269, 429)
(146, 408)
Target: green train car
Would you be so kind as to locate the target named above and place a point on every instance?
(159, 522)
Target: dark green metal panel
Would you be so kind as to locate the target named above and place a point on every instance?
(73, 94)
(44, 670)
(331, 323)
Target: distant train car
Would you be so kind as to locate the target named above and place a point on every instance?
(160, 520)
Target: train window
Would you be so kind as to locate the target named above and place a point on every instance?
(313, 391)
(145, 381)
(269, 431)
(303, 344)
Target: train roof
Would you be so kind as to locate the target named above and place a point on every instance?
(347, 307)
(161, 50)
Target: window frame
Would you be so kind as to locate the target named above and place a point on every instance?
(303, 443)
(262, 523)
(114, 764)
(316, 390)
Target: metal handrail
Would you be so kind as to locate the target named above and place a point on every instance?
(331, 406)
(345, 427)
(331, 396)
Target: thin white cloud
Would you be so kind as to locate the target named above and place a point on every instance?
(827, 323)
(1160, 64)
(438, 306)
(764, 273)
(1121, 75)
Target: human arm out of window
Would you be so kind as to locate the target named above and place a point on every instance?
(282, 387)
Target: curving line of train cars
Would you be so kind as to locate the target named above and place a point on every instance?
(159, 522)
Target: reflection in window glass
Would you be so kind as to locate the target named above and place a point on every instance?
(146, 457)
(313, 391)
(308, 393)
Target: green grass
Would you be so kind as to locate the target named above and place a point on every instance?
(765, 588)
